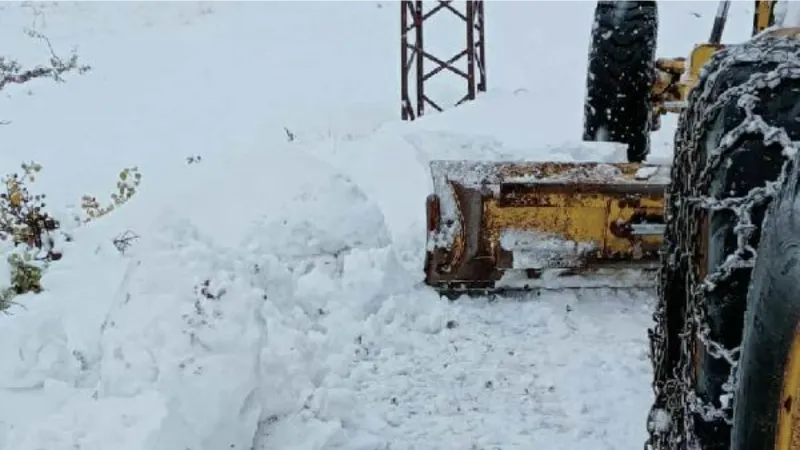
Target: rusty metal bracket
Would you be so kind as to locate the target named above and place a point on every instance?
(413, 54)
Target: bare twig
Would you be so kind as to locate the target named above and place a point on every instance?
(12, 72)
(125, 240)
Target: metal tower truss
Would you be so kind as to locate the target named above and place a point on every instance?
(416, 59)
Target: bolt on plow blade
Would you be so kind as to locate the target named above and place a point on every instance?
(504, 226)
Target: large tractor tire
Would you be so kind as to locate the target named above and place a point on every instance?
(620, 75)
(729, 149)
(768, 393)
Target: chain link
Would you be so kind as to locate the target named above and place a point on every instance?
(671, 420)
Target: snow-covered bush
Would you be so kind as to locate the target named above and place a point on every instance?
(25, 277)
(29, 229)
(23, 219)
(27, 226)
(127, 183)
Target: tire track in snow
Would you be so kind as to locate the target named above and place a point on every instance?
(556, 372)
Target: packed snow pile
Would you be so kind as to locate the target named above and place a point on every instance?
(227, 314)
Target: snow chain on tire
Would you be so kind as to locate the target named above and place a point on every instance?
(737, 78)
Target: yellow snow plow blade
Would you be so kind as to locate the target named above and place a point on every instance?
(504, 226)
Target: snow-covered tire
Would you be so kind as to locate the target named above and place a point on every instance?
(620, 75)
(729, 147)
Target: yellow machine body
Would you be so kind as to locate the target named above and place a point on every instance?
(675, 79)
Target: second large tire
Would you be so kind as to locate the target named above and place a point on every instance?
(620, 75)
(770, 360)
(726, 150)
(771, 329)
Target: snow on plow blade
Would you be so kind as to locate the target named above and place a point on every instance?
(505, 226)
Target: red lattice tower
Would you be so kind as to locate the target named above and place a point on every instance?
(414, 56)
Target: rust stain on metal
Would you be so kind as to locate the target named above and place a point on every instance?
(433, 212)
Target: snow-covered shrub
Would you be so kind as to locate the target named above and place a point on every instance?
(23, 219)
(29, 228)
(25, 276)
(25, 223)
(127, 183)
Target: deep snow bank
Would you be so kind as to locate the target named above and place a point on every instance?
(245, 293)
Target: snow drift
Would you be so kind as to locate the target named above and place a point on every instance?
(227, 314)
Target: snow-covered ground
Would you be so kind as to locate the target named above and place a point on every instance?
(273, 299)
